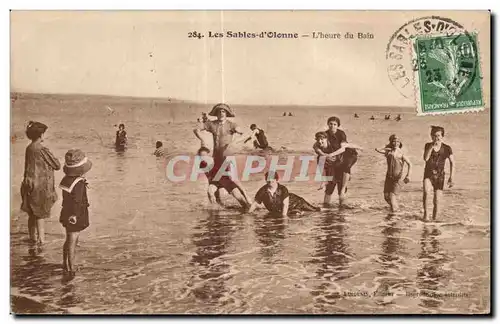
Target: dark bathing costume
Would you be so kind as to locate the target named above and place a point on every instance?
(349, 157)
(121, 139)
(274, 202)
(75, 203)
(224, 182)
(261, 141)
(344, 161)
(434, 167)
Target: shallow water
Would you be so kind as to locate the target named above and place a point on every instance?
(156, 247)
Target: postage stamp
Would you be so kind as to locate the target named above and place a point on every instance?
(448, 76)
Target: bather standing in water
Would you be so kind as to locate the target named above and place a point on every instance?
(121, 138)
(395, 165)
(38, 190)
(348, 157)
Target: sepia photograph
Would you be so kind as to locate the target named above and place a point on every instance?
(250, 162)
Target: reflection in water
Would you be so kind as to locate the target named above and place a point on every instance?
(120, 162)
(431, 274)
(34, 276)
(270, 231)
(211, 238)
(390, 258)
(332, 256)
(68, 297)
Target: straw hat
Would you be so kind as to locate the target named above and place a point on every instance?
(229, 110)
(76, 163)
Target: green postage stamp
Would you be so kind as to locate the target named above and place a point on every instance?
(447, 74)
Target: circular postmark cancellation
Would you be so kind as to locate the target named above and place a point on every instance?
(400, 64)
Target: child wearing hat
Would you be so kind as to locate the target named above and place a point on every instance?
(74, 214)
(38, 190)
(395, 165)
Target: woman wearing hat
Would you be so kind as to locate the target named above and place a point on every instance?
(38, 189)
(74, 214)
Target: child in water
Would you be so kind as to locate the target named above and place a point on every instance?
(323, 148)
(74, 213)
(225, 183)
(395, 165)
(159, 152)
(435, 155)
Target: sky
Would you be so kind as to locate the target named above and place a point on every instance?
(149, 54)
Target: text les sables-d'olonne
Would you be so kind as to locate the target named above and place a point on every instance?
(282, 35)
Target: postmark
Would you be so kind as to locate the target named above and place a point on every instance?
(448, 79)
(400, 65)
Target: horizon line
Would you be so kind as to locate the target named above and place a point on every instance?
(177, 100)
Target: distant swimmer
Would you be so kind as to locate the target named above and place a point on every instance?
(398, 118)
(159, 152)
(260, 140)
(372, 118)
(387, 117)
(356, 116)
(121, 138)
(290, 114)
(284, 114)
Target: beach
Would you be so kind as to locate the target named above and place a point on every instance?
(155, 246)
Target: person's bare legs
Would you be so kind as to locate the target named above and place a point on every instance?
(428, 189)
(327, 200)
(32, 228)
(438, 197)
(387, 197)
(393, 202)
(71, 239)
(211, 192)
(343, 184)
(40, 227)
(65, 255)
(236, 193)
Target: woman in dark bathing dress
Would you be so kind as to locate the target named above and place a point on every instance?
(277, 199)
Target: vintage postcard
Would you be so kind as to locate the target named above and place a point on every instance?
(250, 162)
